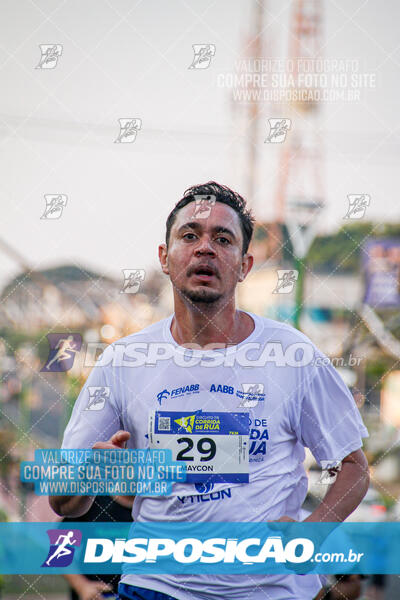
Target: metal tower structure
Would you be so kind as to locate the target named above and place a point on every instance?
(299, 194)
(255, 49)
(300, 174)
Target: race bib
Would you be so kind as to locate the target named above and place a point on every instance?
(213, 445)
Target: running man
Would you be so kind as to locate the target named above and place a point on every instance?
(204, 357)
(62, 550)
(64, 347)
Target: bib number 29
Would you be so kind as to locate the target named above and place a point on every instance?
(205, 446)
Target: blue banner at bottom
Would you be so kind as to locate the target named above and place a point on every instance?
(192, 548)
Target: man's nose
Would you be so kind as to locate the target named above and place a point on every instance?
(204, 246)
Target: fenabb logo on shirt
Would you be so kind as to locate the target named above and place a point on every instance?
(184, 390)
(191, 550)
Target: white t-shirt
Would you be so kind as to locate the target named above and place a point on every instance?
(302, 401)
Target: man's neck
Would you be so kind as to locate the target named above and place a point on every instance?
(205, 325)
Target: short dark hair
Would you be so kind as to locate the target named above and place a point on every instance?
(224, 195)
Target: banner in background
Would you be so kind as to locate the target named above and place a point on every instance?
(381, 263)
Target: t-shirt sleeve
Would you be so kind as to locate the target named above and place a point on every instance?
(96, 415)
(329, 422)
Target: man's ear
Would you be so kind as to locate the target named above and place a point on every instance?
(247, 263)
(163, 258)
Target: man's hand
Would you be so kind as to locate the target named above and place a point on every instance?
(92, 590)
(87, 589)
(117, 441)
(76, 506)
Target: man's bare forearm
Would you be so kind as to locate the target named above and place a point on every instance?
(346, 493)
(76, 506)
(71, 506)
(75, 580)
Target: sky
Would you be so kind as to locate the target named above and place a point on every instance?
(126, 59)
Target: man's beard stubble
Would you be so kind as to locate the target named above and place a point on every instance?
(202, 296)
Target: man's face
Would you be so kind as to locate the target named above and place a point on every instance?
(204, 257)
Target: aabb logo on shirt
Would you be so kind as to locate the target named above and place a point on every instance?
(223, 389)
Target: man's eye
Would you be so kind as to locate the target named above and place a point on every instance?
(189, 236)
(224, 240)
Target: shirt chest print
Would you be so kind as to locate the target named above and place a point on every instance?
(258, 439)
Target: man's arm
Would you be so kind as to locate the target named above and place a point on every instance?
(85, 588)
(346, 493)
(71, 506)
(76, 506)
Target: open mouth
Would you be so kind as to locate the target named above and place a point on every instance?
(204, 273)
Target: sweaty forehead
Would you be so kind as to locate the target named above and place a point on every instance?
(209, 216)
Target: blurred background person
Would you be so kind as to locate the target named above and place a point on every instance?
(104, 509)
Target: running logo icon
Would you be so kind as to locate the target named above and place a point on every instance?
(203, 205)
(55, 203)
(203, 54)
(278, 129)
(186, 423)
(286, 280)
(128, 129)
(50, 53)
(132, 280)
(330, 470)
(252, 394)
(62, 547)
(63, 347)
(97, 397)
(357, 206)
